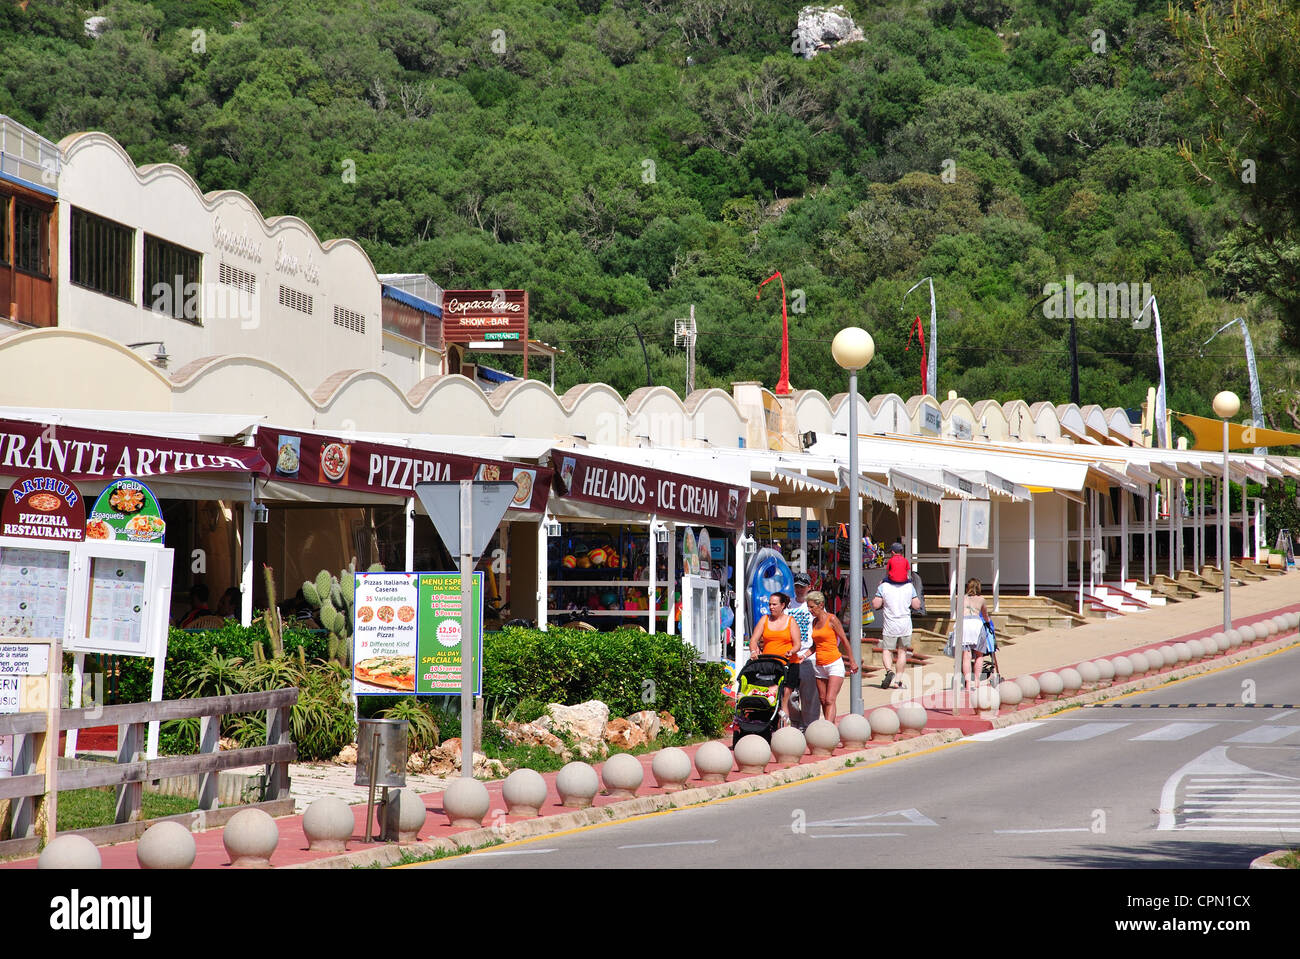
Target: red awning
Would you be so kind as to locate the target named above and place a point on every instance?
(89, 455)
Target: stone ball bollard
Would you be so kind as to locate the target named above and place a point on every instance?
(328, 824)
(1197, 649)
(622, 774)
(1217, 643)
(822, 736)
(250, 837)
(1123, 667)
(1168, 656)
(1107, 670)
(1141, 665)
(671, 768)
(577, 785)
(1030, 687)
(1051, 684)
(1247, 635)
(987, 700)
(788, 745)
(1071, 680)
(403, 815)
(912, 719)
(1234, 639)
(713, 761)
(70, 851)
(1011, 694)
(753, 753)
(1183, 652)
(884, 724)
(169, 845)
(1273, 626)
(465, 801)
(1089, 673)
(855, 731)
(524, 792)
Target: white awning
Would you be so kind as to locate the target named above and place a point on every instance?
(803, 482)
(915, 487)
(871, 489)
(199, 427)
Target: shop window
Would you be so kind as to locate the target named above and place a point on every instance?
(102, 255)
(239, 279)
(31, 239)
(296, 301)
(171, 277)
(349, 320)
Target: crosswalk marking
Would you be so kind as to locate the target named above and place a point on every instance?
(1173, 732)
(1083, 731)
(1222, 794)
(1264, 734)
(1003, 733)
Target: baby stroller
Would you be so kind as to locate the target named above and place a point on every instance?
(758, 697)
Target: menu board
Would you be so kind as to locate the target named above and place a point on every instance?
(33, 592)
(384, 635)
(441, 646)
(407, 637)
(115, 607)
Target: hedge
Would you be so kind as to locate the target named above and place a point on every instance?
(626, 669)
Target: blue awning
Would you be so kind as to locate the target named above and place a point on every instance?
(415, 302)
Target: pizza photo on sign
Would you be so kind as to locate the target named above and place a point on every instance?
(406, 613)
(385, 614)
(365, 614)
(334, 461)
(390, 672)
(523, 487)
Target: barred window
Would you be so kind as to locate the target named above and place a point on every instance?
(234, 276)
(349, 320)
(102, 255)
(295, 300)
(171, 277)
(31, 239)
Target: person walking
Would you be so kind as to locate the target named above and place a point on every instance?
(777, 634)
(832, 656)
(897, 597)
(809, 698)
(974, 615)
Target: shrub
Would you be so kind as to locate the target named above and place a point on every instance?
(626, 669)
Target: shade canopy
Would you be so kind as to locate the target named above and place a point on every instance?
(1208, 434)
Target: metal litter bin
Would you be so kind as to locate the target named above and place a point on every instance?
(382, 744)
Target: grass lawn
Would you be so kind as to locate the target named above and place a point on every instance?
(84, 808)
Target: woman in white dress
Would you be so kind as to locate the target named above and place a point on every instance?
(974, 615)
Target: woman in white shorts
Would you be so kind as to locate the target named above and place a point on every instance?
(833, 657)
(975, 614)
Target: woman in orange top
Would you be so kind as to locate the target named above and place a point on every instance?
(829, 642)
(778, 635)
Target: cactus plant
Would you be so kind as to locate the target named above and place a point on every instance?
(271, 616)
(333, 598)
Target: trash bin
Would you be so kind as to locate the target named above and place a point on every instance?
(387, 752)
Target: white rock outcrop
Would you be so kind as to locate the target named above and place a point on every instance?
(821, 28)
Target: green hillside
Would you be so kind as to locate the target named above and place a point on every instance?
(623, 160)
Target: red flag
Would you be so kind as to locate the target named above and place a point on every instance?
(918, 330)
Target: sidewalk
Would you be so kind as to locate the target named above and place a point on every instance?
(1034, 653)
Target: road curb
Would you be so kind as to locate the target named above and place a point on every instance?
(646, 805)
(1270, 860)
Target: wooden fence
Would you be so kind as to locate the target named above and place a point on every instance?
(25, 787)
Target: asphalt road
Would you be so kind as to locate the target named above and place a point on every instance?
(1154, 780)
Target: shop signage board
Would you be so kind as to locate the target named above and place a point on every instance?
(407, 639)
(44, 506)
(667, 495)
(83, 454)
(317, 459)
(126, 511)
(470, 315)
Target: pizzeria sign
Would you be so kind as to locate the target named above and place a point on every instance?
(44, 506)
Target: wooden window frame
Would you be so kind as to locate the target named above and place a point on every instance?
(82, 248)
(174, 253)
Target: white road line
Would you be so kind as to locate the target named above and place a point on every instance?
(1285, 712)
(1269, 829)
(1003, 733)
(513, 852)
(1294, 821)
(1082, 732)
(655, 845)
(859, 835)
(1027, 832)
(1172, 732)
(1264, 734)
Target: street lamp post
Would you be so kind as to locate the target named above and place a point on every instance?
(1226, 406)
(853, 349)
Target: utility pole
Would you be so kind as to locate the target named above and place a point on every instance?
(684, 335)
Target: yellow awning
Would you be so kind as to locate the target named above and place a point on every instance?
(1208, 434)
